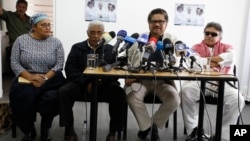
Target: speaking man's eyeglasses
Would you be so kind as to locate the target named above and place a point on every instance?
(161, 22)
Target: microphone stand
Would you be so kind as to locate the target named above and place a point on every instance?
(147, 66)
(171, 68)
(126, 52)
(116, 57)
(181, 67)
(114, 65)
(163, 65)
(191, 64)
(102, 61)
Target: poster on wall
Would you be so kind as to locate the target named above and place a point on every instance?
(189, 14)
(102, 10)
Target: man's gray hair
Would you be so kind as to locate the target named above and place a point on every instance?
(98, 23)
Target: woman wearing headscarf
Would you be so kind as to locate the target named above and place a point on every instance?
(39, 58)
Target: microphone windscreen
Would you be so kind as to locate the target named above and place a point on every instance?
(190, 52)
(193, 58)
(168, 46)
(129, 39)
(152, 43)
(135, 35)
(122, 33)
(159, 45)
(150, 48)
(180, 49)
(120, 37)
(178, 42)
(153, 39)
(107, 37)
(143, 38)
(167, 41)
(112, 34)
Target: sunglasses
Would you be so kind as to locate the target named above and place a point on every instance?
(213, 34)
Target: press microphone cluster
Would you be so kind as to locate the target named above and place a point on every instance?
(129, 41)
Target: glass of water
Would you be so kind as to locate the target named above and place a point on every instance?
(92, 61)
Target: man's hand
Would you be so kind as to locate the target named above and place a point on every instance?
(213, 64)
(128, 82)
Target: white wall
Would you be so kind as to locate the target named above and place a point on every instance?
(245, 68)
(132, 17)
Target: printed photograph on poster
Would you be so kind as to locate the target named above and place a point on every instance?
(102, 10)
(189, 14)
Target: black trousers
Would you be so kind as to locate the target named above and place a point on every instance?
(26, 100)
(8, 55)
(110, 92)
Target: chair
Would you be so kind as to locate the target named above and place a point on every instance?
(87, 99)
(149, 100)
(213, 100)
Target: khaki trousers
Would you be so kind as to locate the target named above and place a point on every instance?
(165, 92)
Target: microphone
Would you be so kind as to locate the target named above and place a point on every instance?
(191, 55)
(193, 59)
(108, 67)
(159, 46)
(129, 41)
(169, 49)
(120, 36)
(142, 40)
(189, 52)
(107, 37)
(180, 48)
(168, 46)
(149, 48)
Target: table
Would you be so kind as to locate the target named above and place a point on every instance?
(203, 77)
